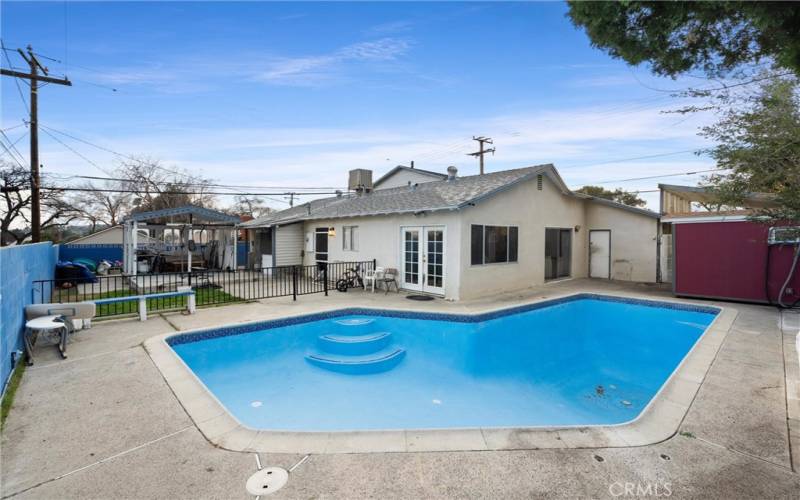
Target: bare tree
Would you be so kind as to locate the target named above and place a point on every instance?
(16, 201)
(156, 187)
(139, 185)
(105, 204)
(253, 206)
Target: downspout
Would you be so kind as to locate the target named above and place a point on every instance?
(659, 234)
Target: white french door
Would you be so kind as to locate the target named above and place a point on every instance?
(422, 258)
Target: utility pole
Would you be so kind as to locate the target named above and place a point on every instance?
(291, 199)
(481, 140)
(35, 78)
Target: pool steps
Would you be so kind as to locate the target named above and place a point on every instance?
(356, 348)
(377, 362)
(355, 344)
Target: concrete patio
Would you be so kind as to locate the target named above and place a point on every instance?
(105, 424)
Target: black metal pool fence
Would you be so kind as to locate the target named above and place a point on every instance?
(210, 287)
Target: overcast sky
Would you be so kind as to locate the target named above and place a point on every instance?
(296, 94)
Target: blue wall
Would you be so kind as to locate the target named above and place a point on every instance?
(96, 252)
(19, 266)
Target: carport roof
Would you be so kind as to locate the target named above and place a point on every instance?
(202, 214)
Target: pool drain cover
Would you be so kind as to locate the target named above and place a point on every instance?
(419, 297)
(267, 481)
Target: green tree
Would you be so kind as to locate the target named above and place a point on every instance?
(758, 140)
(676, 37)
(618, 195)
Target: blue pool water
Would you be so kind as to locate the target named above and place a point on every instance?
(580, 361)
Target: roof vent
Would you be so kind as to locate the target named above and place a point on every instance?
(452, 172)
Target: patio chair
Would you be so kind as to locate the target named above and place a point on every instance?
(55, 318)
(371, 276)
(389, 277)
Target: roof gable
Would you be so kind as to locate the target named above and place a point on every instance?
(402, 168)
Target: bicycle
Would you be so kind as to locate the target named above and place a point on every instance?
(350, 279)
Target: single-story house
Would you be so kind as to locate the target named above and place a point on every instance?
(463, 237)
(716, 252)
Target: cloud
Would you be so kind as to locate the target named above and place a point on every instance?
(319, 69)
(602, 81)
(389, 28)
(585, 144)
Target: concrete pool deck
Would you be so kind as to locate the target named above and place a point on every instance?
(658, 421)
(105, 423)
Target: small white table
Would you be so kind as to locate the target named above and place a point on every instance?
(45, 324)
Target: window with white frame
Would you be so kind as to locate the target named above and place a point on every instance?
(350, 238)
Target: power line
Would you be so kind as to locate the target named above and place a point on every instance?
(311, 190)
(16, 80)
(677, 174)
(134, 191)
(23, 124)
(647, 157)
(13, 148)
(71, 149)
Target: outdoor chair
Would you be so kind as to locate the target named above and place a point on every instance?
(389, 277)
(55, 318)
(371, 276)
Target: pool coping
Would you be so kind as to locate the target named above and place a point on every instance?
(658, 421)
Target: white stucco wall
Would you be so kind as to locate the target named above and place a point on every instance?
(633, 241)
(379, 238)
(532, 211)
(403, 177)
(633, 244)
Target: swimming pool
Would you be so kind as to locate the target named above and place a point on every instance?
(576, 361)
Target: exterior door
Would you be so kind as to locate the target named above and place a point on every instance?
(433, 260)
(422, 259)
(600, 254)
(321, 244)
(410, 258)
(557, 253)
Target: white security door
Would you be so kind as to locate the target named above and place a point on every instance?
(411, 258)
(600, 254)
(422, 259)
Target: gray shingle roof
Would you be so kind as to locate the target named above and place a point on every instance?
(428, 196)
(425, 197)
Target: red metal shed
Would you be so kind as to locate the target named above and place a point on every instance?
(730, 258)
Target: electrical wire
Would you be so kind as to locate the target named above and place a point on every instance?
(16, 80)
(676, 174)
(134, 191)
(634, 158)
(311, 190)
(14, 148)
(95, 165)
(23, 124)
